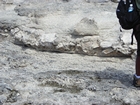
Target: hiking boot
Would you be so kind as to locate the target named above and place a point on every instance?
(136, 81)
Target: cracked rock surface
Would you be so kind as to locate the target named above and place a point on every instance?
(87, 27)
(31, 77)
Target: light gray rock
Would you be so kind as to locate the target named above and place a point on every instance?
(86, 27)
(38, 77)
(66, 26)
(7, 91)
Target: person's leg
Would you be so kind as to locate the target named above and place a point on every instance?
(136, 81)
(137, 67)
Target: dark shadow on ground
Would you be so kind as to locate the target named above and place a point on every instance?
(119, 77)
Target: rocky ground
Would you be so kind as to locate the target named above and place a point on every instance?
(31, 77)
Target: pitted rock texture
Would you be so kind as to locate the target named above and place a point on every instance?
(85, 26)
(30, 75)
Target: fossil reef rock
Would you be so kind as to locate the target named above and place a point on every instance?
(34, 72)
(85, 26)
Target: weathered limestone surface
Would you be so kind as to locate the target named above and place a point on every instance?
(84, 26)
(30, 77)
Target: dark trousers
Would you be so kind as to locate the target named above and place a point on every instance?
(137, 36)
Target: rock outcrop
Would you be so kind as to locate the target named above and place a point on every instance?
(85, 26)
